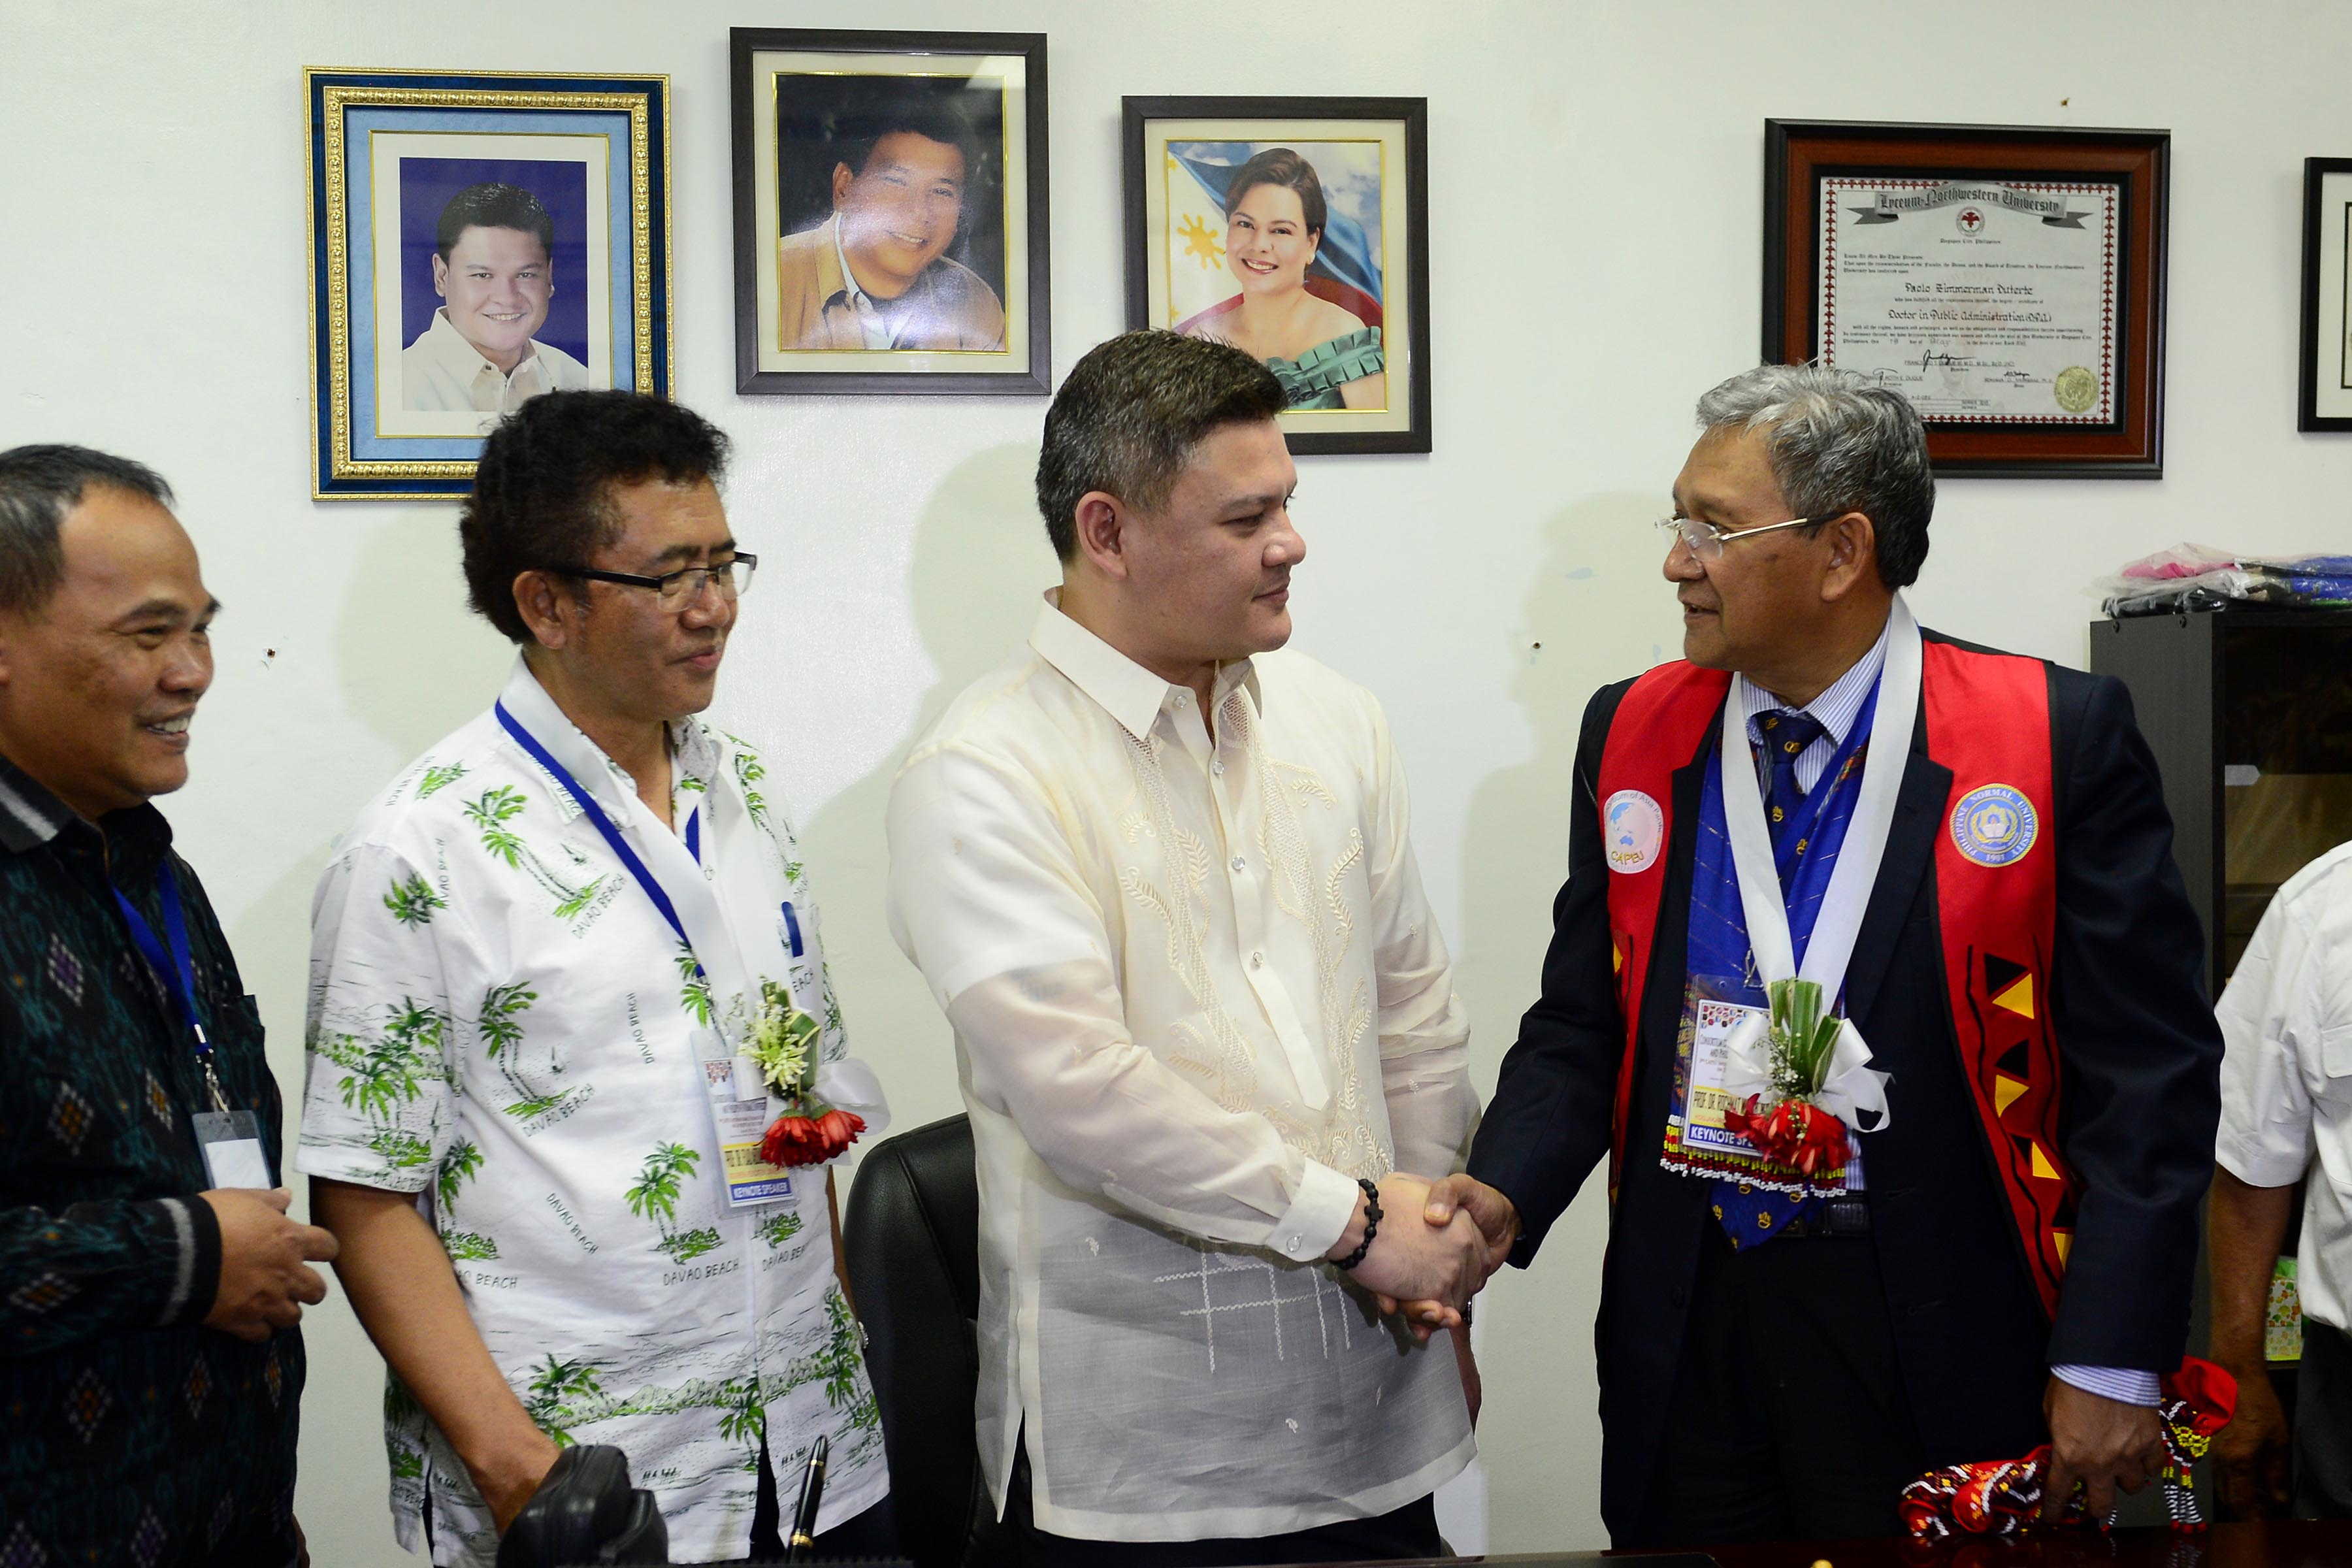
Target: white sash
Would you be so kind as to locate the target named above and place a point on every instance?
(1852, 1087)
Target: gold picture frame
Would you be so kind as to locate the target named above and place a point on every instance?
(385, 150)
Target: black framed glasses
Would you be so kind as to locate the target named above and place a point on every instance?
(684, 586)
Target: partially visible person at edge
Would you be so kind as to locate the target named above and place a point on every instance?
(1158, 877)
(1972, 849)
(494, 269)
(877, 274)
(151, 1367)
(1322, 352)
(2286, 1117)
(533, 958)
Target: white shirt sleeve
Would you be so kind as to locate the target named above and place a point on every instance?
(377, 1095)
(1425, 1026)
(2271, 1018)
(986, 899)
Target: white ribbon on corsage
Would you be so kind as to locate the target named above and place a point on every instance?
(1851, 1086)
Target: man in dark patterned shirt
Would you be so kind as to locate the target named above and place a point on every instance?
(150, 1369)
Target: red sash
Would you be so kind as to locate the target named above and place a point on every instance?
(1987, 719)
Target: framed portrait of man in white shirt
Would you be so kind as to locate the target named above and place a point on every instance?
(891, 214)
(476, 241)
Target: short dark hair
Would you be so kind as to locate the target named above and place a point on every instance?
(39, 485)
(1281, 166)
(933, 119)
(1128, 417)
(542, 490)
(493, 206)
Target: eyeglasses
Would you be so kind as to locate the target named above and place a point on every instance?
(1706, 540)
(684, 586)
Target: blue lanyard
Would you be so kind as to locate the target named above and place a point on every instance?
(178, 972)
(595, 814)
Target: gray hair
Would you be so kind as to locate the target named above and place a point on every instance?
(1837, 444)
(39, 485)
(1129, 417)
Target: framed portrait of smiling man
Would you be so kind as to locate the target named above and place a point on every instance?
(476, 240)
(890, 211)
(1296, 229)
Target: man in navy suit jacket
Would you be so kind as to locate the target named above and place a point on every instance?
(2016, 1266)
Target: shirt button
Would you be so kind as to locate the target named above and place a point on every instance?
(1217, 765)
(1294, 1245)
(1240, 864)
(1183, 701)
(1257, 960)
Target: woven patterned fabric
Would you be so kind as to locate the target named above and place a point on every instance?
(132, 1433)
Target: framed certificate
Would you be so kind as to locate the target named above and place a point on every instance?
(2009, 281)
(2325, 399)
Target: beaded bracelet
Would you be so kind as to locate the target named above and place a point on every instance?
(1371, 1224)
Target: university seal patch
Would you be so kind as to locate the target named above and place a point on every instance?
(1632, 829)
(1994, 824)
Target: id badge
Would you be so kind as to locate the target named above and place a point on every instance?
(231, 1142)
(739, 1123)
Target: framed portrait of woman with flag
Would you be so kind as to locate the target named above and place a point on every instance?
(1296, 229)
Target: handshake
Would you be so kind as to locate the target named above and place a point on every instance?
(1434, 1249)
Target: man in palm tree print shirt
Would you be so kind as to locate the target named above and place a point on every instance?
(505, 1110)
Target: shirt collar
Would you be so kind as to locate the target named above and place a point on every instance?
(30, 815)
(136, 836)
(464, 359)
(848, 280)
(691, 751)
(1837, 707)
(1126, 690)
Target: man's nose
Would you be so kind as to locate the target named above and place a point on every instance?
(1683, 564)
(708, 606)
(189, 671)
(1289, 546)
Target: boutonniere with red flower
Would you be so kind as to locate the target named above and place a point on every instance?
(784, 1042)
(1809, 1081)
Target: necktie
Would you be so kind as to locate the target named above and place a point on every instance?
(1785, 737)
(1749, 1214)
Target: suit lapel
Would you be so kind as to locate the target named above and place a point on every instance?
(1910, 848)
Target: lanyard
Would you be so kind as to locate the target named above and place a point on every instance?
(604, 824)
(177, 972)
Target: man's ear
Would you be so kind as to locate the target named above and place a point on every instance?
(1853, 555)
(548, 608)
(1101, 524)
(841, 176)
(440, 276)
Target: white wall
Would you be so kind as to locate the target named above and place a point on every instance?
(1596, 207)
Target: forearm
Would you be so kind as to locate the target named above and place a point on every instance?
(1433, 1110)
(2245, 1228)
(1050, 1049)
(399, 1281)
(95, 1270)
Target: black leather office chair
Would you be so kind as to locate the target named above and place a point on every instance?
(911, 1239)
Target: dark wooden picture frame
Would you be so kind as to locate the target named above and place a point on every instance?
(2326, 296)
(1797, 153)
(1005, 182)
(1402, 123)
